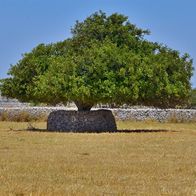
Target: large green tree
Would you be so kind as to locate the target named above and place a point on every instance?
(107, 60)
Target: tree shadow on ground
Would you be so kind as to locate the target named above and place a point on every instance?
(117, 131)
(143, 130)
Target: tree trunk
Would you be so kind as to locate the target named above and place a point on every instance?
(83, 106)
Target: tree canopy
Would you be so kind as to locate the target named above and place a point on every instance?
(193, 97)
(107, 60)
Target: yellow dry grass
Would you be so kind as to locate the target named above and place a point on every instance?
(127, 163)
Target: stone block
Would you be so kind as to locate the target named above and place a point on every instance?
(81, 121)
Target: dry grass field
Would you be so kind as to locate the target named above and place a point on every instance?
(138, 161)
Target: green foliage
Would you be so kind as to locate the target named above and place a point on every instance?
(193, 98)
(107, 60)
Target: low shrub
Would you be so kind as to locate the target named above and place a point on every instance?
(4, 116)
(22, 116)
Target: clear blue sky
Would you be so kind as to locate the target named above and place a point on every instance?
(26, 23)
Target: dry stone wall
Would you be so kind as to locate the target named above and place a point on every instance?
(161, 115)
(119, 114)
